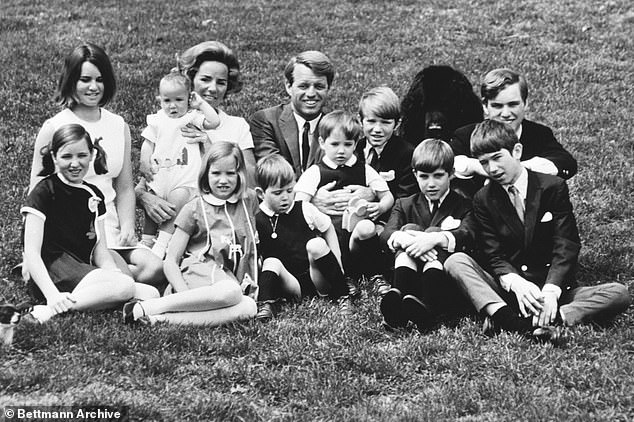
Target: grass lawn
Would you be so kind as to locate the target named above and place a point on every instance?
(311, 363)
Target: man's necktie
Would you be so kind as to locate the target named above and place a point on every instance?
(517, 201)
(305, 145)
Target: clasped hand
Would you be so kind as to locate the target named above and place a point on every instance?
(61, 302)
(529, 296)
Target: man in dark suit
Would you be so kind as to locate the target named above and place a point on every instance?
(291, 129)
(505, 99)
(530, 246)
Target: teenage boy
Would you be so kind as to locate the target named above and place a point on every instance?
(422, 230)
(505, 99)
(530, 246)
(339, 133)
(298, 243)
(385, 152)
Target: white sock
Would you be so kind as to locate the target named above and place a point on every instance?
(160, 247)
(137, 311)
(42, 313)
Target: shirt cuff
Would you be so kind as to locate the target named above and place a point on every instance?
(451, 242)
(552, 288)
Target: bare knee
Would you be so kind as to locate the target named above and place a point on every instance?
(317, 247)
(273, 264)
(404, 260)
(227, 291)
(124, 287)
(365, 229)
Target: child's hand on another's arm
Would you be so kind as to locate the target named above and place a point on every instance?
(373, 211)
(145, 168)
(195, 100)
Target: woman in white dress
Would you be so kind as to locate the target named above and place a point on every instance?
(85, 86)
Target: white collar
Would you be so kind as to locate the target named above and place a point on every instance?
(521, 184)
(213, 200)
(369, 147)
(440, 201)
(351, 162)
(518, 132)
(68, 182)
(269, 212)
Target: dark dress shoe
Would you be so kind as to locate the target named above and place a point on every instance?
(392, 309)
(266, 311)
(555, 335)
(416, 311)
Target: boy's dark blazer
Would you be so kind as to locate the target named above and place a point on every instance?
(414, 209)
(543, 249)
(275, 131)
(537, 141)
(397, 156)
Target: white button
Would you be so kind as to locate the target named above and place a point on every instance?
(524, 268)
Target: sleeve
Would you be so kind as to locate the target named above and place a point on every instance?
(460, 142)
(464, 235)
(566, 242)
(394, 223)
(151, 130)
(245, 140)
(552, 150)
(406, 182)
(315, 218)
(374, 180)
(198, 120)
(309, 180)
(186, 220)
(264, 139)
(39, 200)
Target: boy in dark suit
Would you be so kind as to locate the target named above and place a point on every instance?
(530, 245)
(387, 153)
(505, 99)
(423, 228)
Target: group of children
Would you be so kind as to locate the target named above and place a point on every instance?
(230, 245)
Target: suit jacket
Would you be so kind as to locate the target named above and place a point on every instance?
(537, 141)
(396, 156)
(415, 209)
(275, 131)
(543, 249)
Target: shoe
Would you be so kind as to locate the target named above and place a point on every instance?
(128, 311)
(555, 335)
(353, 288)
(380, 285)
(145, 320)
(416, 311)
(489, 328)
(392, 309)
(266, 311)
(344, 303)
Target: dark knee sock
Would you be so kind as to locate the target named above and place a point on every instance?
(270, 285)
(329, 267)
(367, 259)
(508, 320)
(405, 279)
(433, 287)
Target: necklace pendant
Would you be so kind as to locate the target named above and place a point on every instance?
(273, 235)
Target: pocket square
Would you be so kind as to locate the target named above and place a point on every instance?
(449, 223)
(547, 217)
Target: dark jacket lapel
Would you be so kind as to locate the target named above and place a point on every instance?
(533, 198)
(502, 205)
(288, 126)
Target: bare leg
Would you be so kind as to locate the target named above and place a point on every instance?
(243, 310)
(222, 294)
(364, 230)
(102, 289)
(290, 286)
(144, 266)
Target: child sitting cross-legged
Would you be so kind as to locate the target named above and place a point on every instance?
(339, 132)
(422, 230)
(297, 242)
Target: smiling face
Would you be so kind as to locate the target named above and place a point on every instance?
(507, 107)
(211, 82)
(308, 92)
(279, 198)
(223, 177)
(503, 166)
(90, 87)
(377, 130)
(72, 160)
(174, 99)
(337, 147)
(435, 184)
